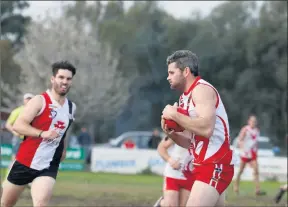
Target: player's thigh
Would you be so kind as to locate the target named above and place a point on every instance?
(10, 193)
(171, 198)
(221, 200)
(202, 194)
(41, 190)
(183, 196)
(254, 163)
(242, 165)
(171, 191)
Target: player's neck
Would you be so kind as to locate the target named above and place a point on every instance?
(189, 82)
(60, 99)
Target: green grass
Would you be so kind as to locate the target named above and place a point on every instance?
(107, 189)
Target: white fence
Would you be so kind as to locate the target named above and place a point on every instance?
(118, 160)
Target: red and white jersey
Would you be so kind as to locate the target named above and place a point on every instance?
(37, 153)
(215, 149)
(182, 155)
(249, 142)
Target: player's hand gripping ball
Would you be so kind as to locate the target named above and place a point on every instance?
(172, 125)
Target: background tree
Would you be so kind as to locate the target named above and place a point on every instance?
(13, 23)
(97, 77)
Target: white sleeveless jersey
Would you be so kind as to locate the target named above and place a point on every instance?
(215, 149)
(177, 153)
(37, 153)
(249, 142)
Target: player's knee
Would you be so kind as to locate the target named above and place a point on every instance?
(40, 202)
(170, 202)
(240, 172)
(256, 172)
(7, 202)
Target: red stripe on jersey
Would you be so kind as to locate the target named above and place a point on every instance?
(199, 158)
(193, 85)
(30, 145)
(224, 154)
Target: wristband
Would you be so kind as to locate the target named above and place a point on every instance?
(40, 133)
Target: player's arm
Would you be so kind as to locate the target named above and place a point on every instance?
(203, 124)
(180, 138)
(241, 137)
(163, 147)
(9, 123)
(30, 111)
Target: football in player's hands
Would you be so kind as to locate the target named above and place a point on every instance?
(172, 125)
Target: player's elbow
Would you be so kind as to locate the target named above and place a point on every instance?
(15, 128)
(208, 132)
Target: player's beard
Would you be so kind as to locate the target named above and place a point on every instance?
(59, 90)
(178, 84)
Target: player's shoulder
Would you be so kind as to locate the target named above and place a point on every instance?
(204, 86)
(245, 128)
(74, 106)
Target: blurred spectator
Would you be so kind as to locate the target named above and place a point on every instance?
(276, 150)
(154, 140)
(129, 144)
(85, 141)
(280, 193)
(73, 142)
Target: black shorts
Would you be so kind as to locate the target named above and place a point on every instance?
(23, 175)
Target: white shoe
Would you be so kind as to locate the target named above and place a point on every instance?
(157, 204)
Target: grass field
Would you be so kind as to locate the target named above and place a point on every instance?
(99, 189)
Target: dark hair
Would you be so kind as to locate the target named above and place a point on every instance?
(63, 65)
(183, 59)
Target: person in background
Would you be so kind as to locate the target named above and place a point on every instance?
(85, 141)
(17, 138)
(280, 193)
(247, 142)
(154, 140)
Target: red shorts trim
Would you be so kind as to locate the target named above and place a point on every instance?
(218, 176)
(177, 184)
(245, 159)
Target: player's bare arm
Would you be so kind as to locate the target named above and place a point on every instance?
(9, 127)
(205, 99)
(178, 137)
(162, 149)
(22, 124)
(241, 137)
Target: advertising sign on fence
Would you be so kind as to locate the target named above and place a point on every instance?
(135, 161)
(75, 159)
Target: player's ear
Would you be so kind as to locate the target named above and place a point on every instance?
(186, 71)
(52, 79)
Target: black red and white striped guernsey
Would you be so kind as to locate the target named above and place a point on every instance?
(37, 153)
